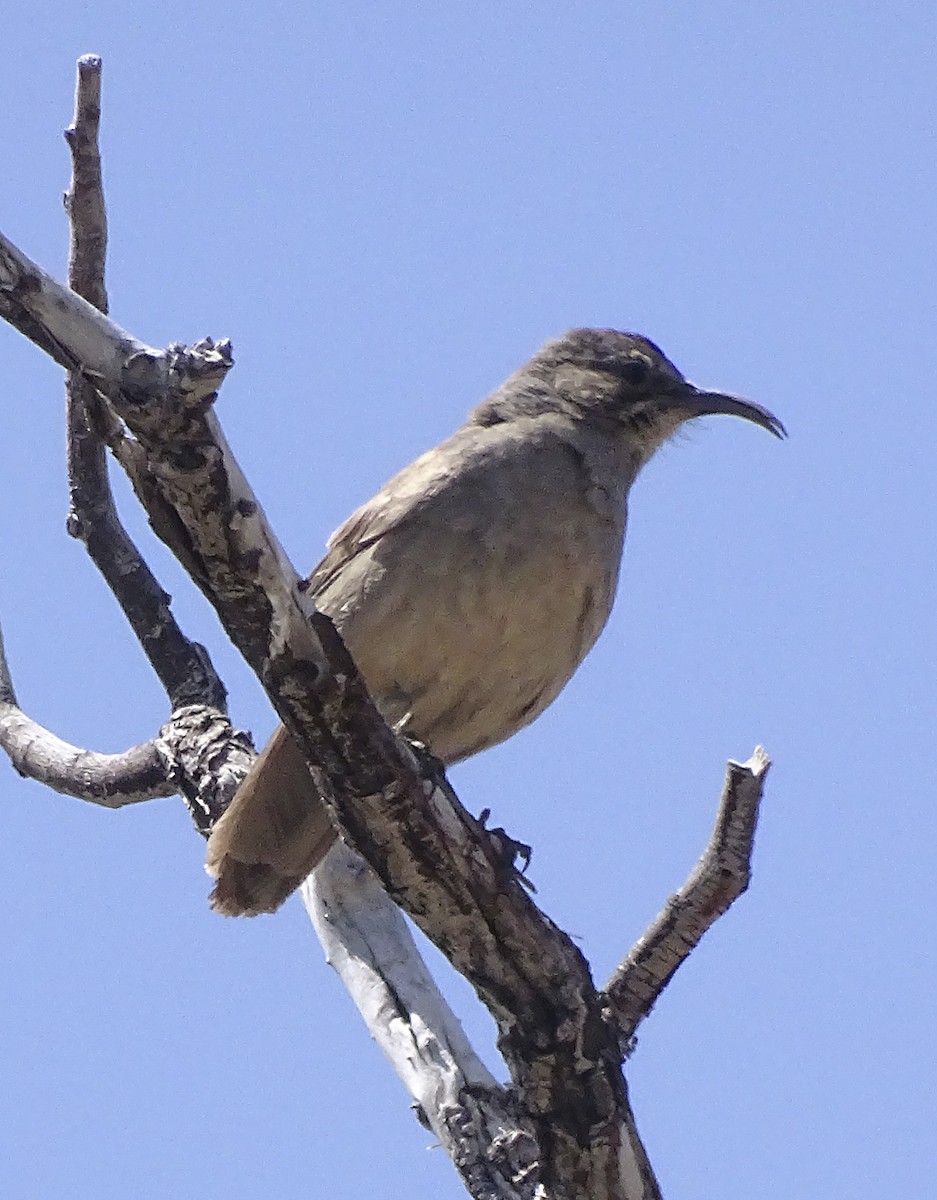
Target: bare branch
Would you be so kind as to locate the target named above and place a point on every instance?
(58, 321)
(719, 878)
(183, 667)
(481, 1125)
(368, 943)
(111, 780)
(84, 201)
(197, 751)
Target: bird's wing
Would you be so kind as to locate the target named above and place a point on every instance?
(396, 503)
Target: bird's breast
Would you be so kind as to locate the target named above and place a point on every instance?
(468, 619)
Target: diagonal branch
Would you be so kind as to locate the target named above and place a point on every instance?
(719, 878)
(366, 940)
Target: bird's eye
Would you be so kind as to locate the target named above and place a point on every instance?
(635, 372)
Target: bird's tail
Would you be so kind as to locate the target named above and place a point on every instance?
(275, 831)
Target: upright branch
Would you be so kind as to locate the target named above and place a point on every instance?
(182, 666)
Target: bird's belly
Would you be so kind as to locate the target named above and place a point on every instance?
(470, 646)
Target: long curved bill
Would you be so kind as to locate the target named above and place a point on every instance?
(701, 403)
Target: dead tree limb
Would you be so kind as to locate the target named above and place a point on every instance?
(198, 732)
(564, 1127)
(718, 879)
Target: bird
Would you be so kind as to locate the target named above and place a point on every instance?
(472, 585)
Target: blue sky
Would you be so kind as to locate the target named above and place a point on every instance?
(388, 208)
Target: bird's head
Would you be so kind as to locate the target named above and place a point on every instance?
(622, 380)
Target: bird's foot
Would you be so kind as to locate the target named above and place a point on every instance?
(510, 851)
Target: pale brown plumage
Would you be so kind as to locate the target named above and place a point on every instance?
(472, 585)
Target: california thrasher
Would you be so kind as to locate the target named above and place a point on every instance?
(470, 588)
